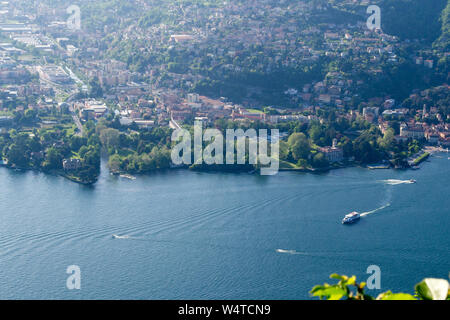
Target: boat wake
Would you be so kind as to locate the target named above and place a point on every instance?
(376, 210)
(288, 251)
(128, 176)
(394, 182)
(115, 236)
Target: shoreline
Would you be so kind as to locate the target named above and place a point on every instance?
(427, 153)
(51, 173)
(433, 150)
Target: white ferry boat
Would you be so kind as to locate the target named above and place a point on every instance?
(351, 218)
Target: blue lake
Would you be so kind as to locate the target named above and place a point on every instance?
(188, 235)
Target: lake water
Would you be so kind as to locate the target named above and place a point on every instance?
(188, 235)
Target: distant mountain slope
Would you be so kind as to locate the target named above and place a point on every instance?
(443, 42)
(407, 19)
(412, 19)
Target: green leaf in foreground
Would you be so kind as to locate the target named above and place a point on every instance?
(433, 289)
(329, 292)
(347, 288)
(395, 296)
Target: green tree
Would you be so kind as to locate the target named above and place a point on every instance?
(115, 163)
(96, 90)
(299, 145)
(110, 138)
(53, 159)
(319, 161)
(388, 141)
(17, 155)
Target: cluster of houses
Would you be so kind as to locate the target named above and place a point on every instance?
(10, 70)
(149, 97)
(72, 164)
(438, 134)
(287, 44)
(54, 74)
(90, 109)
(415, 125)
(110, 73)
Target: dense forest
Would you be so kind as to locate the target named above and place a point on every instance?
(443, 42)
(412, 19)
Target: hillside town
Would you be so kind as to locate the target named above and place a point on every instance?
(56, 77)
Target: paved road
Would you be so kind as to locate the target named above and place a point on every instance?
(173, 124)
(77, 122)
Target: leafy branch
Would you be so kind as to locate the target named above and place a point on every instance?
(348, 289)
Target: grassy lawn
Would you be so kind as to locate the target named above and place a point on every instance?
(288, 165)
(254, 111)
(71, 131)
(421, 158)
